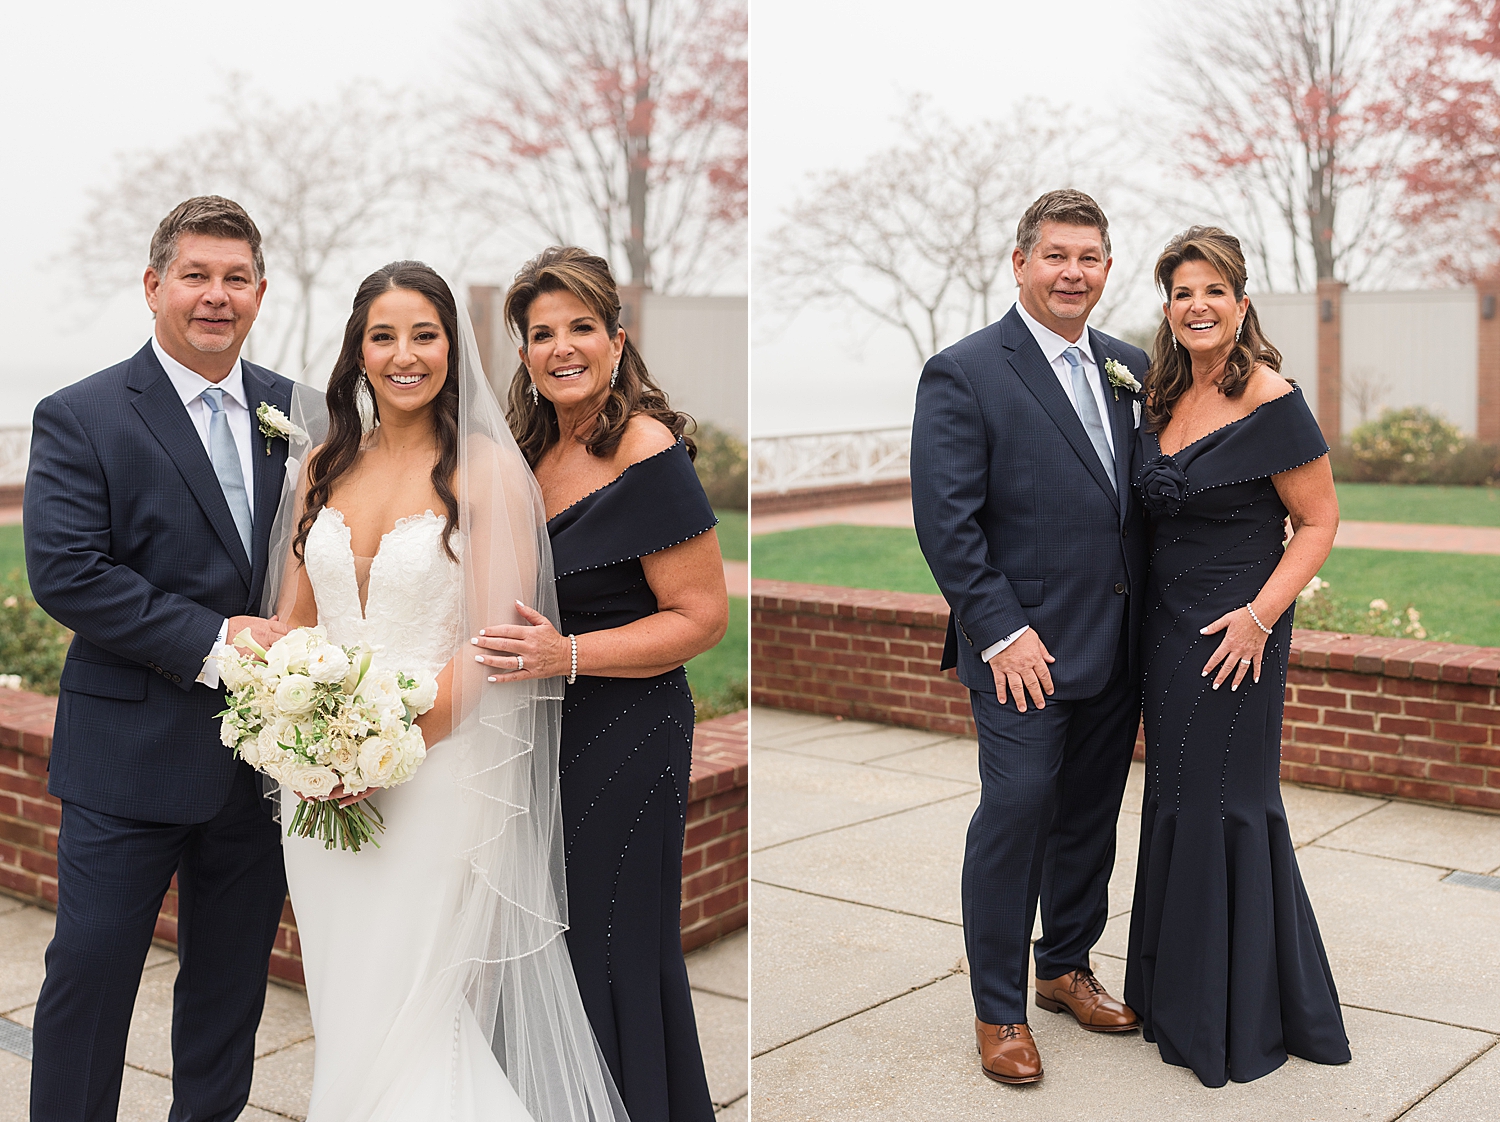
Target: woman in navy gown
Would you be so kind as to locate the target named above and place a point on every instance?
(1226, 967)
(640, 589)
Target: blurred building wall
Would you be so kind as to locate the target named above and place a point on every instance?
(1396, 349)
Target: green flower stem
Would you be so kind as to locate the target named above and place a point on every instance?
(337, 827)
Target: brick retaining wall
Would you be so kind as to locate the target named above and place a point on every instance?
(715, 873)
(1391, 717)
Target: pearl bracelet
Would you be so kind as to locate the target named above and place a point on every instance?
(573, 670)
(1249, 608)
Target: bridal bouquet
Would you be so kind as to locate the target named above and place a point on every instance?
(313, 716)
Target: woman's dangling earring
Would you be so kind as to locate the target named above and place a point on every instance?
(1174, 340)
(364, 403)
(1238, 329)
(614, 375)
(534, 394)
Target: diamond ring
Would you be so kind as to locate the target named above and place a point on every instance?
(520, 663)
(1245, 662)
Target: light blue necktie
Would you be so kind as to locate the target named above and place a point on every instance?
(1088, 412)
(226, 460)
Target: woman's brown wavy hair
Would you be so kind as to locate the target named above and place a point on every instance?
(566, 268)
(337, 454)
(1171, 371)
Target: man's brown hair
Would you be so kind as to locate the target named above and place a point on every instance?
(213, 215)
(1070, 207)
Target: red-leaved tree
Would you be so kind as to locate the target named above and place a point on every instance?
(1452, 103)
(1285, 107)
(620, 124)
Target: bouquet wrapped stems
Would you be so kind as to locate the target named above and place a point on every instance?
(343, 827)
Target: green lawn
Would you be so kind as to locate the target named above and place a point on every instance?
(1457, 593)
(1394, 502)
(734, 534)
(849, 556)
(718, 677)
(12, 551)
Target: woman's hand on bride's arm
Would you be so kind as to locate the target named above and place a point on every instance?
(530, 650)
(1239, 651)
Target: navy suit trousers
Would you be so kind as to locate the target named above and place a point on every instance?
(1051, 783)
(112, 875)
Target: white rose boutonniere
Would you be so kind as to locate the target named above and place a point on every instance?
(1120, 377)
(274, 423)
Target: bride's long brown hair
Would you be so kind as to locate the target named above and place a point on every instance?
(336, 457)
(1171, 371)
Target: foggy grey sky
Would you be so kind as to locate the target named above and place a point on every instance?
(826, 82)
(83, 81)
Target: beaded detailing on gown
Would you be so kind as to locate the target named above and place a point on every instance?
(626, 755)
(395, 1038)
(1226, 966)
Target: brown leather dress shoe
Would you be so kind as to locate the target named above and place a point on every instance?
(1079, 992)
(1007, 1053)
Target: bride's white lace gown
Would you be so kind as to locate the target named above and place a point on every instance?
(394, 1036)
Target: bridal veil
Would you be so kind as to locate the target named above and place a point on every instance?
(506, 956)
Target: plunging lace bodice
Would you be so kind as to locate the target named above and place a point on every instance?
(413, 596)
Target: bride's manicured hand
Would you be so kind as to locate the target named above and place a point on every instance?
(1240, 650)
(533, 650)
(343, 800)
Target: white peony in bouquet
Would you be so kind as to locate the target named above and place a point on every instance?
(313, 716)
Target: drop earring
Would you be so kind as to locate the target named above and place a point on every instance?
(1174, 340)
(534, 395)
(614, 375)
(364, 403)
(1238, 329)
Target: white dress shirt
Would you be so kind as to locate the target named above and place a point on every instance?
(1053, 345)
(190, 385)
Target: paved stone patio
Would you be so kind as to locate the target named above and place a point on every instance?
(861, 1001)
(284, 1044)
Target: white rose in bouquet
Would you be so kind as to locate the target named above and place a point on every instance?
(289, 653)
(380, 688)
(421, 695)
(233, 673)
(311, 782)
(327, 664)
(378, 758)
(294, 695)
(412, 749)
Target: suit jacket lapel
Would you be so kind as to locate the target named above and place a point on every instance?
(163, 412)
(1031, 365)
(270, 468)
(1121, 418)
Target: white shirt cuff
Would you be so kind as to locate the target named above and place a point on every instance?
(993, 649)
(209, 675)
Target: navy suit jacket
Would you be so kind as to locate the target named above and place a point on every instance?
(129, 542)
(1014, 510)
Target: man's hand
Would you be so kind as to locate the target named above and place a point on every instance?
(1022, 668)
(263, 631)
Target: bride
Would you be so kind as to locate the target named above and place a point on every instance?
(439, 983)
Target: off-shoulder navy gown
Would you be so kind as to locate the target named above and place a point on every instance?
(626, 754)
(1226, 967)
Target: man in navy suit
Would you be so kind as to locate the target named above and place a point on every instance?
(149, 500)
(1020, 470)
